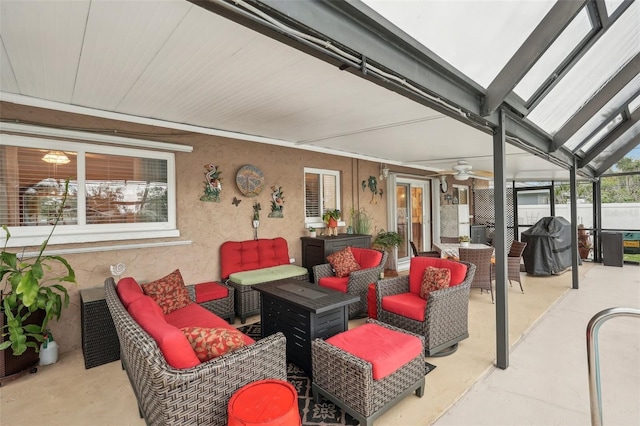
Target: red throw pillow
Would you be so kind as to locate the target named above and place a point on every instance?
(434, 279)
(169, 292)
(343, 262)
(209, 343)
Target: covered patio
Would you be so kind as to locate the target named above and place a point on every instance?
(547, 383)
(514, 93)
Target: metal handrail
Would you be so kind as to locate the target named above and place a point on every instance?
(593, 357)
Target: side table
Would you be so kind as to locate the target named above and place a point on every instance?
(100, 343)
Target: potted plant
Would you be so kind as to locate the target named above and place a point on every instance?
(361, 221)
(584, 242)
(387, 241)
(30, 296)
(312, 232)
(464, 240)
(331, 217)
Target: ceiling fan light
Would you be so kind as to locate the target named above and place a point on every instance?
(462, 176)
(56, 157)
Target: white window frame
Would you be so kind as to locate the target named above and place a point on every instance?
(24, 236)
(317, 222)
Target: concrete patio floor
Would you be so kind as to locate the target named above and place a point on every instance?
(546, 382)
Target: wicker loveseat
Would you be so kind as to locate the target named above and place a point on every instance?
(245, 263)
(195, 395)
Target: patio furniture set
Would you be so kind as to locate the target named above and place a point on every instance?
(176, 380)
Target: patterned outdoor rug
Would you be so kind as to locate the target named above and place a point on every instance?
(324, 413)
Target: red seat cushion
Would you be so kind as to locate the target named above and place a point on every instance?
(335, 283)
(409, 305)
(386, 350)
(128, 291)
(366, 258)
(195, 315)
(419, 264)
(206, 292)
(174, 345)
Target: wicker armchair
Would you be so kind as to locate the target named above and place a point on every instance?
(198, 395)
(513, 263)
(481, 257)
(446, 316)
(357, 282)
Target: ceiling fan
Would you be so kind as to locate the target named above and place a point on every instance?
(463, 171)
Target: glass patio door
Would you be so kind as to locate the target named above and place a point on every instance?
(413, 216)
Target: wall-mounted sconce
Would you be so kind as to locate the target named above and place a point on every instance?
(56, 157)
(384, 171)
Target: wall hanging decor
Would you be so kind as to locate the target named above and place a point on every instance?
(212, 183)
(250, 180)
(372, 184)
(277, 201)
(235, 201)
(256, 219)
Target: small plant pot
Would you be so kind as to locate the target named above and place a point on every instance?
(464, 244)
(312, 234)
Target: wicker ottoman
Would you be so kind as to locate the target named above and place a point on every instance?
(349, 381)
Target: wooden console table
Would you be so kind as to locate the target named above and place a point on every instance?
(302, 311)
(315, 250)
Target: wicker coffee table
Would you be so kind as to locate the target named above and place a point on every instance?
(303, 312)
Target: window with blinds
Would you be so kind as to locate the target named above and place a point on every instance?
(111, 191)
(322, 193)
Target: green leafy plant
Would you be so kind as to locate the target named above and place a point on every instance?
(331, 214)
(27, 289)
(464, 239)
(361, 221)
(387, 240)
(312, 229)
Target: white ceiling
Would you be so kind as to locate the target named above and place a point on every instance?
(175, 62)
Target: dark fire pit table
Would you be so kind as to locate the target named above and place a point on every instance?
(302, 311)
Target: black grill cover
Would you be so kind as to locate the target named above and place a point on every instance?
(548, 248)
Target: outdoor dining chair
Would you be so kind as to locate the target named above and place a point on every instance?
(449, 240)
(417, 253)
(481, 257)
(513, 263)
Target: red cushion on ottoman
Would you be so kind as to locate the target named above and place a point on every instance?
(387, 350)
(206, 292)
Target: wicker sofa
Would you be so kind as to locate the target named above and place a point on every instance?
(245, 263)
(200, 394)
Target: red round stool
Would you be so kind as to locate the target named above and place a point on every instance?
(265, 402)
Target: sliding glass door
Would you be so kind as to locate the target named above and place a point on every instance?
(412, 216)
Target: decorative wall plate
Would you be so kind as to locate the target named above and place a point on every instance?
(250, 180)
